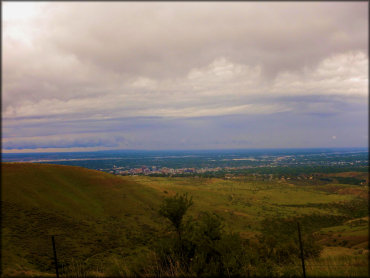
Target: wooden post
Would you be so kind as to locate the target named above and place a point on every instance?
(301, 247)
(55, 256)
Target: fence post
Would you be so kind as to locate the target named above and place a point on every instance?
(301, 247)
(55, 256)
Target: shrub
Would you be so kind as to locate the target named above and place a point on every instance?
(200, 247)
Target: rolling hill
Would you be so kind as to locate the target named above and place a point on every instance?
(90, 212)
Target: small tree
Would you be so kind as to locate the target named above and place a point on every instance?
(174, 209)
(202, 247)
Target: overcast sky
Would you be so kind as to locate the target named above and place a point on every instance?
(183, 75)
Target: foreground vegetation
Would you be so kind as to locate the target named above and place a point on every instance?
(109, 225)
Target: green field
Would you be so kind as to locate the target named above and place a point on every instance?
(105, 224)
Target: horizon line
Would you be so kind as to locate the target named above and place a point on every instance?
(190, 150)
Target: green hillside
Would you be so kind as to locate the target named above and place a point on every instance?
(108, 224)
(90, 211)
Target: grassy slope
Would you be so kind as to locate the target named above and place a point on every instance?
(103, 215)
(92, 212)
(243, 204)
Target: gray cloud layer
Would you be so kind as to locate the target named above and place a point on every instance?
(72, 66)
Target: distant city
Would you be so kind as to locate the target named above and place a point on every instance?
(205, 162)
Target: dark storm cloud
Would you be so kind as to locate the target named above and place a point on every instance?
(64, 142)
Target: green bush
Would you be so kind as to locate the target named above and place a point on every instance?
(174, 209)
(200, 246)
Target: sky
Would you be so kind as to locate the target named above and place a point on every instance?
(86, 76)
